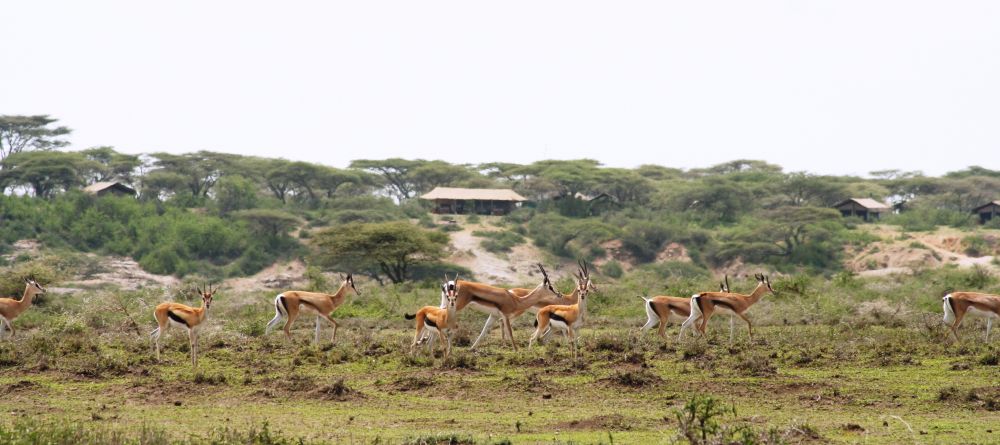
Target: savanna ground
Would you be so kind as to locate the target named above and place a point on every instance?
(844, 360)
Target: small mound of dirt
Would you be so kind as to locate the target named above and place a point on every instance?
(637, 378)
(337, 391)
(607, 422)
(23, 385)
(413, 382)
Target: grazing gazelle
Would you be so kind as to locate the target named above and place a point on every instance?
(567, 318)
(289, 303)
(959, 304)
(661, 309)
(437, 321)
(547, 299)
(190, 318)
(706, 304)
(11, 308)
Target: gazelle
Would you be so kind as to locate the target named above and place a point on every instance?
(567, 318)
(501, 303)
(11, 308)
(190, 318)
(567, 299)
(288, 304)
(705, 304)
(959, 304)
(661, 309)
(438, 321)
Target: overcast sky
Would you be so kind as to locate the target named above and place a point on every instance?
(838, 87)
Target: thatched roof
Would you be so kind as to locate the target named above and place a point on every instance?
(98, 187)
(867, 203)
(461, 194)
(992, 203)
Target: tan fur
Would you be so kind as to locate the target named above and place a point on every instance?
(736, 302)
(192, 317)
(963, 301)
(507, 304)
(665, 305)
(11, 308)
(443, 318)
(573, 314)
(319, 303)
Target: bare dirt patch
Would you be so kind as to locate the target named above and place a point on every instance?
(516, 267)
(605, 422)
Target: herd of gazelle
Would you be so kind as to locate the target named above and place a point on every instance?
(553, 309)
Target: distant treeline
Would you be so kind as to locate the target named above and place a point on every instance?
(232, 214)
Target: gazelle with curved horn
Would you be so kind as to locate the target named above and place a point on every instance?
(959, 304)
(583, 275)
(567, 318)
(185, 316)
(437, 321)
(11, 308)
(706, 304)
(290, 304)
(501, 303)
(663, 308)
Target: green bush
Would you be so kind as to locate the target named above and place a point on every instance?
(498, 241)
(612, 269)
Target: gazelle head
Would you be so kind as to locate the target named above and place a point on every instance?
(449, 289)
(349, 281)
(206, 295)
(585, 271)
(762, 280)
(31, 286)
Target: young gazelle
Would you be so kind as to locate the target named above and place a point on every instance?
(11, 308)
(567, 318)
(500, 302)
(705, 304)
(190, 318)
(661, 309)
(959, 304)
(288, 304)
(546, 300)
(437, 321)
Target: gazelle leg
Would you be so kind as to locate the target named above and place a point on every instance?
(10, 327)
(193, 351)
(732, 328)
(486, 329)
(447, 352)
(416, 338)
(958, 321)
(749, 325)
(510, 331)
(571, 335)
(332, 322)
(989, 325)
(316, 334)
(542, 324)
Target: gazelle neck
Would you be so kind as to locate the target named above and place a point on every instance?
(27, 297)
(757, 293)
(536, 295)
(582, 305)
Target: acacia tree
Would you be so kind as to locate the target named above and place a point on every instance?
(46, 172)
(25, 133)
(112, 164)
(388, 249)
(200, 171)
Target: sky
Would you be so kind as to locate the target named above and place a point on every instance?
(828, 87)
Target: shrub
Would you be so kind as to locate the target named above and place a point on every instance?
(498, 241)
(612, 269)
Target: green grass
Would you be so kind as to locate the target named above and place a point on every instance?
(847, 359)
